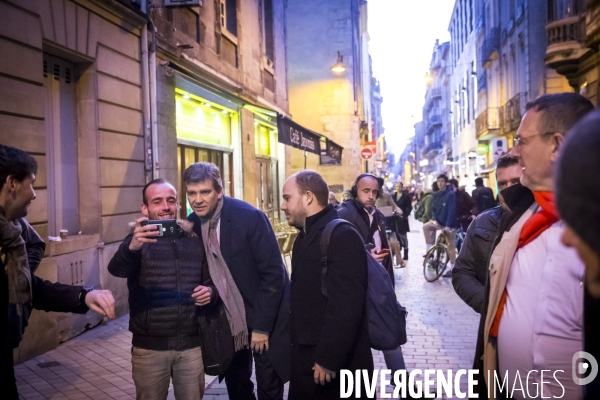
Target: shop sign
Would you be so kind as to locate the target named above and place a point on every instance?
(297, 136)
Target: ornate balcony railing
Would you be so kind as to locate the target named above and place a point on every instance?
(488, 120)
(513, 112)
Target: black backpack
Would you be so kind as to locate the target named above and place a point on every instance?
(386, 317)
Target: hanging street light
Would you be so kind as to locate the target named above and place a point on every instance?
(339, 65)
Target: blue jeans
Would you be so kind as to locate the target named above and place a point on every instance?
(152, 371)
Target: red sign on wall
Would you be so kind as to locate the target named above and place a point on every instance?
(366, 154)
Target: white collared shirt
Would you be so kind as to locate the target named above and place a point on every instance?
(542, 322)
(376, 235)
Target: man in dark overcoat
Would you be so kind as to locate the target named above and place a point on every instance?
(329, 333)
(240, 239)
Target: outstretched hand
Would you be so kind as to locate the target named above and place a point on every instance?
(101, 301)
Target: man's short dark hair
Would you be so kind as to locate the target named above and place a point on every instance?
(310, 181)
(561, 111)
(202, 171)
(442, 176)
(478, 182)
(153, 182)
(453, 182)
(506, 161)
(16, 163)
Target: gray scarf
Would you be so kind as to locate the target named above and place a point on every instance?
(221, 277)
(16, 263)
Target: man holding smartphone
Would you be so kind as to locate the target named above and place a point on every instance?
(168, 278)
(370, 223)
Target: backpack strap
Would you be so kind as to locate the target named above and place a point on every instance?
(324, 244)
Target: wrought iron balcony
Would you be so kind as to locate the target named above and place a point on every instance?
(433, 149)
(433, 121)
(513, 112)
(488, 122)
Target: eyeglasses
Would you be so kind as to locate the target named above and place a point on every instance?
(520, 141)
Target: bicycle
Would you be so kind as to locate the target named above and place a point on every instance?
(436, 259)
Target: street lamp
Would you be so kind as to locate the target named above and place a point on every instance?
(428, 78)
(339, 65)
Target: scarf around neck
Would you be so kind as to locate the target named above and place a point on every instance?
(223, 281)
(534, 227)
(16, 265)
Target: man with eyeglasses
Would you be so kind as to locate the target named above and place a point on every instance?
(533, 317)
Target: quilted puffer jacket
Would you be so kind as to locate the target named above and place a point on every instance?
(161, 278)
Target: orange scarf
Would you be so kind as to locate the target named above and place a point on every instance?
(533, 228)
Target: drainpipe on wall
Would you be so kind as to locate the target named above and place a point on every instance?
(148, 160)
(153, 101)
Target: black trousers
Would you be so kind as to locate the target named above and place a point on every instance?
(239, 385)
(9, 384)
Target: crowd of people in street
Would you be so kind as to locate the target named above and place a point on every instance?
(211, 293)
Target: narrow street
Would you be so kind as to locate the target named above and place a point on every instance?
(96, 365)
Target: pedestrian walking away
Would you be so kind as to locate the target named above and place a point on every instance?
(21, 250)
(245, 263)
(168, 279)
(403, 200)
(483, 196)
(328, 334)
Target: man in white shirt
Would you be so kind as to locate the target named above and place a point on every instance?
(534, 320)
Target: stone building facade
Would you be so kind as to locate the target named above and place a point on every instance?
(336, 105)
(573, 44)
(108, 94)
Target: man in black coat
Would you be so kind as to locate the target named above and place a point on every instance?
(471, 270)
(483, 196)
(21, 251)
(368, 220)
(168, 280)
(248, 247)
(403, 200)
(328, 334)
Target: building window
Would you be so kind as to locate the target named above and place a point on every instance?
(62, 155)
(267, 28)
(228, 16)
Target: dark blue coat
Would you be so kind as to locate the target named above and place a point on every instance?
(443, 207)
(250, 249)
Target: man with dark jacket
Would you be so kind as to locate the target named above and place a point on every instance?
(245, 263)
(368, 220)
(403, 200)
(443, 217)
(471, 270)
(21, 251)
(328, 333)
(167, 279)
(370, 224)
(483, 196)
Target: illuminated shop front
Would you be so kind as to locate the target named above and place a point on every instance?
(205, 130)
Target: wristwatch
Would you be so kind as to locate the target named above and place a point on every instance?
(83, 293)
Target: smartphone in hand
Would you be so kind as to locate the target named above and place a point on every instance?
(167, 228)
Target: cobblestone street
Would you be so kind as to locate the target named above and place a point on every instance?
(96, 365)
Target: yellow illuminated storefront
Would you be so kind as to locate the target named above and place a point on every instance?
(204, 133)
